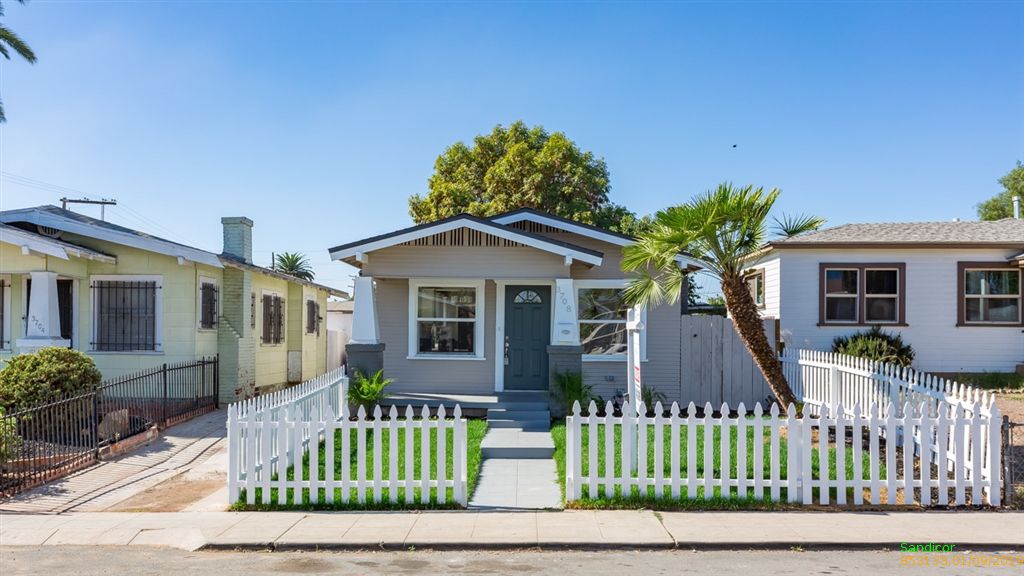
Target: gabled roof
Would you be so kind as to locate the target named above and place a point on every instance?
(233, 262)
(1007, 232)
(66, 220)
(82, 225)
(50, 246)
(588, 230)
(565, 249)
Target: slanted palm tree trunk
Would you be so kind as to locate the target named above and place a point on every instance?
(747, 320)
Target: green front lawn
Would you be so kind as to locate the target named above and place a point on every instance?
(992, 380)
(475, 430)
(717, 500)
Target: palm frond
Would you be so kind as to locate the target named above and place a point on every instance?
(294, 264)
(8, 37)
(789, 225)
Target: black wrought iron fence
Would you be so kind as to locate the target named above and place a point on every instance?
(48, 441)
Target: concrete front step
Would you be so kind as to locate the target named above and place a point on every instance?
(530, 425)
(513, 443)
(506, 414)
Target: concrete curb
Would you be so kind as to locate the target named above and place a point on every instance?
(588, 547)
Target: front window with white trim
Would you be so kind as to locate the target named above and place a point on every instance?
(446, 319)
(601, 311)
(992, 296)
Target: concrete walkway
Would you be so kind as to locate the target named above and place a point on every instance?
(198, 444)
(627, 530)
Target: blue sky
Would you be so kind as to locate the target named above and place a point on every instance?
(318, 120)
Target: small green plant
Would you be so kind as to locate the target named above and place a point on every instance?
(32, 379)
(368, 391)
(650, 397)
(570, 388)
(875, 344)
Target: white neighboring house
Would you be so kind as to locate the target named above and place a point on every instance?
(339, 331)
(953, 290)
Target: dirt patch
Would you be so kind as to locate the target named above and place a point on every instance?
(172, 495)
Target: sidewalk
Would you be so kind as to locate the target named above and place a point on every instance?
(488, 530)
(178, 449)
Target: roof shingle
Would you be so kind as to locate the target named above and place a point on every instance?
(1007, 231)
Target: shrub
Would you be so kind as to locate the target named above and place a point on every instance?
(874, 344)
(650, 397)
(44, 376)
(570, 388)
(367, 392)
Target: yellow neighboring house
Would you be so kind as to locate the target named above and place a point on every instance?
(134, 301)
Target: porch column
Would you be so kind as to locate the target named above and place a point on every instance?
(365, 351)
(43, 325)
(565, 354)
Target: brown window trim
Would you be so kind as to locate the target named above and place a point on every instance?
(961, 270)
(750, 275)
(901, 267)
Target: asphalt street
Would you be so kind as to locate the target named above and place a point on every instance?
(57, 560)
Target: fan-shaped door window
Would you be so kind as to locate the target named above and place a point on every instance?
(527, 297)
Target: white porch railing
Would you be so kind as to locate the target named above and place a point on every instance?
(274, 450)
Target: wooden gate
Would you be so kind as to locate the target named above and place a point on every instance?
(715, 364)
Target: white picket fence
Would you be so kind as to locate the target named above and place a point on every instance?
(936, 461)
(826, 378)
(271, 437)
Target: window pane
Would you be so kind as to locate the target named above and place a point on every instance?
(756, 286)
(1002, 282)
(1001, 309)
(841, 309)
(841, 281)
(447, 303)
(972, 310)
(606, 338)
(881, 281)
(992, 282)
(602, 304)
(880, 309)
(438, 336)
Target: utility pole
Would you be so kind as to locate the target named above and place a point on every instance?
(103, 203)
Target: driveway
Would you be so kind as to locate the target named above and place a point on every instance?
(185, 468)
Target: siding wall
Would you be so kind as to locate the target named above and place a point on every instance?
(455, 376)
(464, 262)
(941, 346)
(271, 359)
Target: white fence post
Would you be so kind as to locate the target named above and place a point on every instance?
(276, 433)
(833, 386)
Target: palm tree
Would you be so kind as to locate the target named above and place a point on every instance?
(11, 41)
(723, 228)
(294, 264)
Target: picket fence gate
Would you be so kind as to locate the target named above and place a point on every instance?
(270, 436)
(926, 455)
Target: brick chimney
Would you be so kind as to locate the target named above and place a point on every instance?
(238, 237)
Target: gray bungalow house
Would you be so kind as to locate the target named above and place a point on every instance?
(474, 306)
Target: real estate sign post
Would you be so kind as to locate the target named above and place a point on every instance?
(634, 327)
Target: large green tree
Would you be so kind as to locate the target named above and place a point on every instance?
(11, 41)
(723, 228)
(521, 167)
(1001, 205)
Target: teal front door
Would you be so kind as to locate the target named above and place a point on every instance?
(527, 335)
